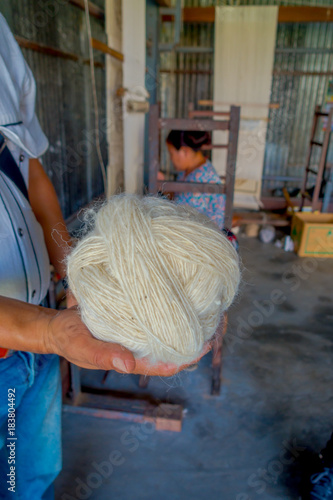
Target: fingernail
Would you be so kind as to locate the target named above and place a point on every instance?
(119, 364)
(129, 366)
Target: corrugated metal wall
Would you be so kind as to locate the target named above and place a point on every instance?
(191, 73)
(64, 98)
(302, 69)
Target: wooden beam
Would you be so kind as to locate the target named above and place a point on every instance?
(209, 102)
(97, 64)
(94, 10)
(293, 14)
(279, 203)
(199, 14)
(287, 14)
(187, 71)
(164, 3)
(195, 113)
(301, 73)
(44, 49)
(192, 187)
(51, 51)
(103, 403)
(96, 44)
(187, 124)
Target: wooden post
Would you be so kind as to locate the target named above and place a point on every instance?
(231, 164)
(154, 148)
(308, 159)
(217, 356)
(322, 162)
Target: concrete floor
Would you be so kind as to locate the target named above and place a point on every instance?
(275, 408)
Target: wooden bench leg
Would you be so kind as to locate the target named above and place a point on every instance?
(217, 357)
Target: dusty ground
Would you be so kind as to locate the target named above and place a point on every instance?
(249, 443)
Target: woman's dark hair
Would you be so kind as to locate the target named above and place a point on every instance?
(193, 139)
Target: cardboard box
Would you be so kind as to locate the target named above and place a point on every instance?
(312, 234)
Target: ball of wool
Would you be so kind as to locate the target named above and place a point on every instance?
(153, 276)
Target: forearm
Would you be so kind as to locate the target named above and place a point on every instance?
(26, 327)
(57, 240)
(45, 204)
(23, 326)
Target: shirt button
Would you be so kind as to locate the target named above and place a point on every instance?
(21, 158)
(20, 231)
(33, 293)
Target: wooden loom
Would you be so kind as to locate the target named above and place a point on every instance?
(230, 124)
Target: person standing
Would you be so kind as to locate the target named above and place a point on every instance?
(32, 337)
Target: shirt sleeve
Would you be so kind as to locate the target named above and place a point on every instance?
(18, 121)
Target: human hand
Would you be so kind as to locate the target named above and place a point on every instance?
(144, 367)
(67, 336)
(160, 176)
(70, 299)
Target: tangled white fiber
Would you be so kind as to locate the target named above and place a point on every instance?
(154, 277)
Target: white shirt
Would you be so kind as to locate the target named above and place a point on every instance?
(18, 97)
(24, 262)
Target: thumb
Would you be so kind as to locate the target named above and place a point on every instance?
(109, 356)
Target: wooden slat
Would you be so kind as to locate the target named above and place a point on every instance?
(103, 403)
(199, 14)
(187, 124)
(187, 71)
(279, 203)
(96, 44)
(293, 14)
(209, 102)
(94, 10)
(190, 187)
(203, 112)
(101, 413)
(51, 51)
(287, 14)
(209, 147)
(97, 64)
(44, 49)
(302, 73)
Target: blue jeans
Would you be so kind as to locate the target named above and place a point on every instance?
(37, 449)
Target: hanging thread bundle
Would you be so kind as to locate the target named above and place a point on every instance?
(154, 277)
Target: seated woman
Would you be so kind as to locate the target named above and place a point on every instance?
(185, 149)
(186, 155)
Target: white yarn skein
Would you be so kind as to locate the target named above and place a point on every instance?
(154, 277)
